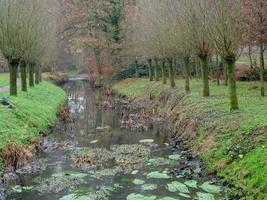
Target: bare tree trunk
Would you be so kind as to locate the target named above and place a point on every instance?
(163, 72)
(37, 81)
(136, 69)
(262, 69)
(13, 68)
(31, 75)
(171, 72)
(232, 84)
(250, 56)
(150, 69)
(23, 76)
(205, 76)
(225, 74)
(218, 70)
(186, 73)
(156, 70)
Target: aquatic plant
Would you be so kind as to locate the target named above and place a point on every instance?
(210, 188)
(105, 172)
(140, 197)
(88, 158)
(59, 182)
(158, 175)
(130, 157)
(205, 196)
(176, 186)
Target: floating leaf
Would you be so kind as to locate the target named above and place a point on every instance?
(176, 186)
(191, 183)
(20, 189)
(210, 188)
(149, 186)
(146, 141)
(74, 197)
(175, 157)
(168, 198)
(140, 197)
(185, 195)
(205, 196)
(138, 182)
(134, 172)
(159, 161)
(94, 141)
(158, 175)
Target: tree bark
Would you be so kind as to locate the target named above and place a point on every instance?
(150, 69)
(23, 76)
(171, 72)
(186, 73)
(31, 75)
(37, 81)
(163, 72)
(13, 69)
(136, 69)
(156, 70)
(232, 84)
(262, 69)
(250, 57)
(205, 76)
(218, 70)
(225, 74)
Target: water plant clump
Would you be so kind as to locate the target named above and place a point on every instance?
(102, 194)
(130, 157)
(109, 172)
(58, 182)
(88, 158)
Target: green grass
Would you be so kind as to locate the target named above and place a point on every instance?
(4, 79)
(231, 143)
(34, 112)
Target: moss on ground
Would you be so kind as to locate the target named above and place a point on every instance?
(230, 143)
(35, 111)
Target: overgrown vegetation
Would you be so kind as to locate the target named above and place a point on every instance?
(230, 143)
(33, 112)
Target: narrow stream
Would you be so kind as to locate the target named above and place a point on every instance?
(93, 159)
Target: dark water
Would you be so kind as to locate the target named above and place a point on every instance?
(85, 132)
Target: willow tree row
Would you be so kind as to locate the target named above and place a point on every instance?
(26, 29)
(192, 29)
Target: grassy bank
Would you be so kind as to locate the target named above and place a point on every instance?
(233, 144)
(34, 112)
(4, 79)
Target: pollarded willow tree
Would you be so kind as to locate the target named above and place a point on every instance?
(23, 37)
(195, 21)
(226, 32)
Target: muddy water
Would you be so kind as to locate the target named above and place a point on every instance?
(143, 165)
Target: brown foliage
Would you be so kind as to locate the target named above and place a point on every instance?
(17, 155)
(64, 115)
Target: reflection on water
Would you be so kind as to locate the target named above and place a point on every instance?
(98, 130)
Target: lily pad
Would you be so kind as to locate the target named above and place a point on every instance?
(158, 175)
(175, 157)
(94, 141)
(146, 141)
(191, 183)
(20, 189)
(168, 198)
(176, 186)
(149, 186)
(205, 196)
(159, 162)
(210, 188)
(138, 181)
(74, 197)
(134, 172)
(140, 197)
(185, 195)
